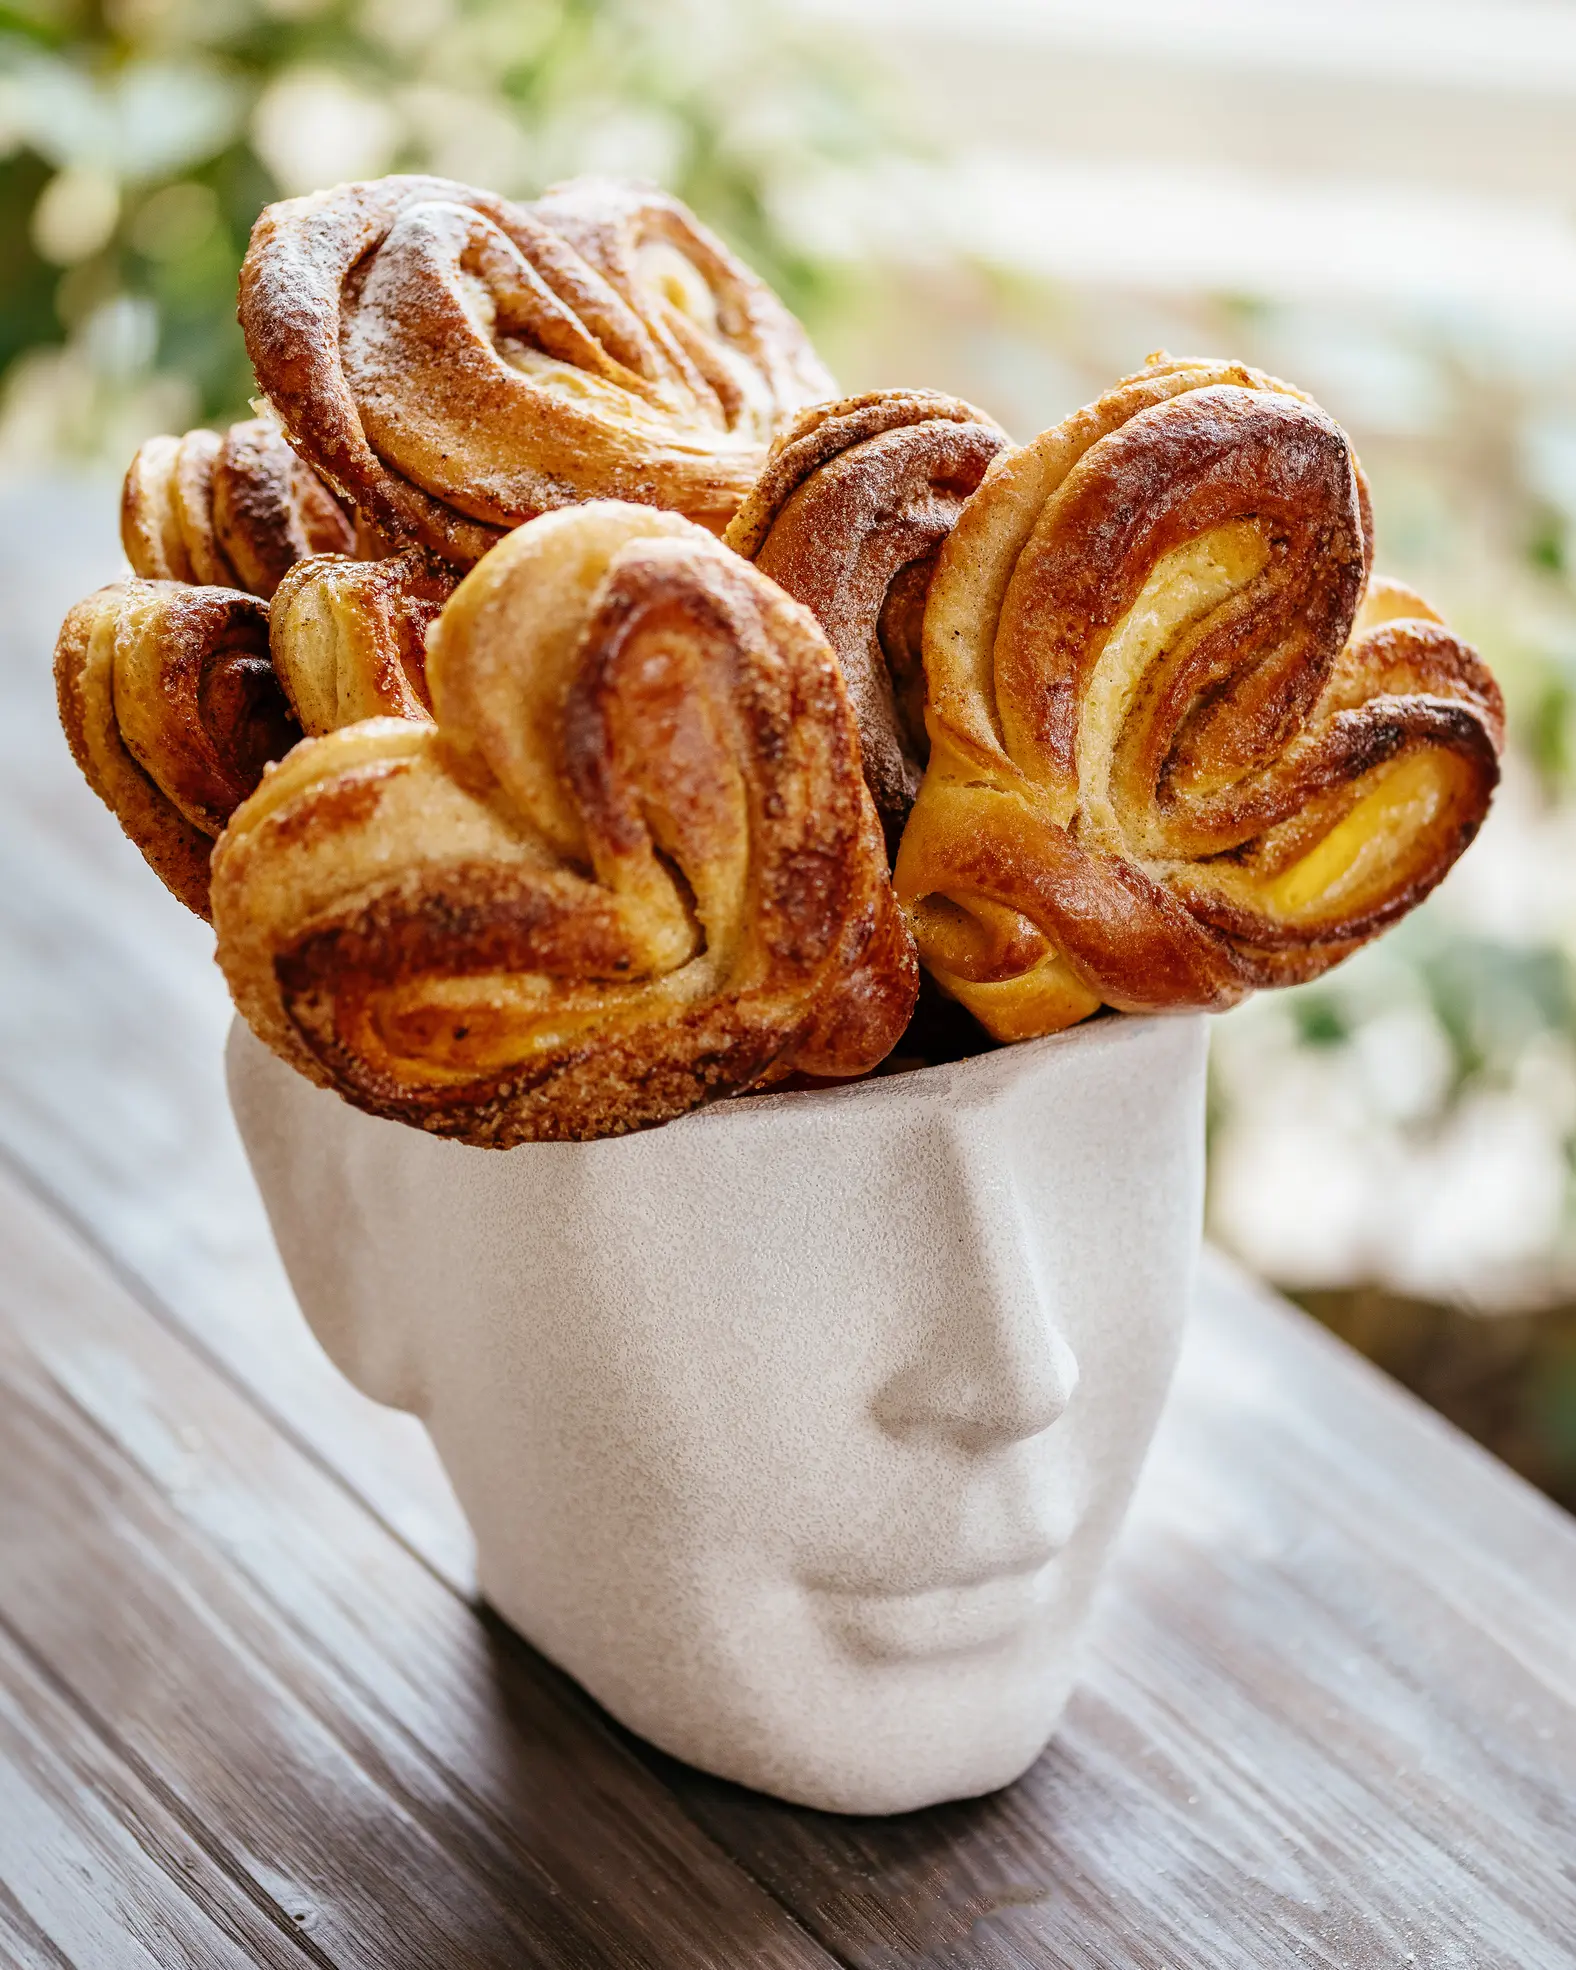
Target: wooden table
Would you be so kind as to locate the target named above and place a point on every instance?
(251, 1713)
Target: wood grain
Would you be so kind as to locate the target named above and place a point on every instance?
(300, 1687)
(100, 1871)
(249, 1713)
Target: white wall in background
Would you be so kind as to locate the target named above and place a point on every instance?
(1399, 149)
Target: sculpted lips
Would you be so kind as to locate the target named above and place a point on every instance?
(947, 1611)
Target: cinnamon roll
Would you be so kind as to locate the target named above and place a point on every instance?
(231, 511)
(1164, 770)
(633, 866)
(349, 637)
(171, 708)
(849, 516)
(454, 364)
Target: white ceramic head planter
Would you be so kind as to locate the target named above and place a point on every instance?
(797, 1430)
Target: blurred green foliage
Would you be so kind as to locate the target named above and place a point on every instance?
(1490, 999)
(139, 138)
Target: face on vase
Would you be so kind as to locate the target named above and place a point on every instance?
(797, 1431)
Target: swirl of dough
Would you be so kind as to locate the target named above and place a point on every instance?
(849, 516)
(632, 867)
(172, 710)
(1164, 771)
(349, 638)
(231, 511)
(455, 364)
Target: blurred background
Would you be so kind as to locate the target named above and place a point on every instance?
(1015, 201)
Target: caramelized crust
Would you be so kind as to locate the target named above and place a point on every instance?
(848, 515)
(454, 363)
(269, 509)
(166, 511)
(171, 709)
(631, 868)
(235, 511)
(1164, 770)
(349, 638)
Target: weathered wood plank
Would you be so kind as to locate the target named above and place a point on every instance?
(390, 1774)
(1329, 1716)
(94, 1867)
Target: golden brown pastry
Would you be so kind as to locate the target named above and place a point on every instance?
(1164, 770)
(172, 710)
(235, 511)
(848, 516)
(349, 637)
(454, 363)
(633, 866)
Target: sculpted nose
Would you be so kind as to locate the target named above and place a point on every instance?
(993, 1367)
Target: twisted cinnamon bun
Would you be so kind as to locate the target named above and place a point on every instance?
(632, 867)
(172, 710)
(454, 364)
(848, 516)
(349, 638)
(1164, 770)
(174, 696)
(236, 511)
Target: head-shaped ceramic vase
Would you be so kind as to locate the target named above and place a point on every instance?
(798, 1430)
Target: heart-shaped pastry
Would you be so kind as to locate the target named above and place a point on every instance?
(455, 363)
(1164, 769)
(171, 707)
(633, 866)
